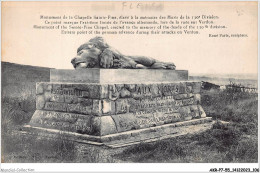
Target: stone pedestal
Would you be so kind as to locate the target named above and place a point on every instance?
(116, 109)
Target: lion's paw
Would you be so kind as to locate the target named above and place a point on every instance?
(162, 65)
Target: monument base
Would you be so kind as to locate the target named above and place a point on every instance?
(129, 137)
(117, 111)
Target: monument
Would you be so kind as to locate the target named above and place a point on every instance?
(116, 100)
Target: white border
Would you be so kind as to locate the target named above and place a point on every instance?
(125, 167)
(130, 167)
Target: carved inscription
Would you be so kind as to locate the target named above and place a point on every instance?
(132, 106)
(168, 89)
(130, 121)
(58, 116)
(157, 119)
(148, 112)
(77, 127)
(67, 91)
(78, 108)
(77, 90)
(65, 107)
(113, 92)
(153, 103)
(162, 89)
(55, 106)
(165, 104)
(143, 89)
(64, 121)
(122, 106)
(80, 91)
(188, 101)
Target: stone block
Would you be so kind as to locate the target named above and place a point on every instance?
(197, 98)
(62, 121)
(194, 111)
(116, 91)
(122, 76)
(84, 106)
(142, 119)
(108, 107)
(107, 126)
(132, 137)
(97, 107)
(39, 88)
(201, 112)
(116, 107)
(125, 122)
(40, 102)
(47, 95)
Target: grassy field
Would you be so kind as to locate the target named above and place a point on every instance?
(235, 142)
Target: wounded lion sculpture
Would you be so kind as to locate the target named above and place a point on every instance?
(96, 53)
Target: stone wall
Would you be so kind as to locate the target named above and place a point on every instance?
(102, 109)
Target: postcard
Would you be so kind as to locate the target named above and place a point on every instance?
(120, 82)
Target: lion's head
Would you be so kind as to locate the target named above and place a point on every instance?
(88, 53)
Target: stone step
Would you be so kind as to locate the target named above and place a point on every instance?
(127, 138)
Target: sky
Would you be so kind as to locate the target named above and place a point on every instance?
(197, 53)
